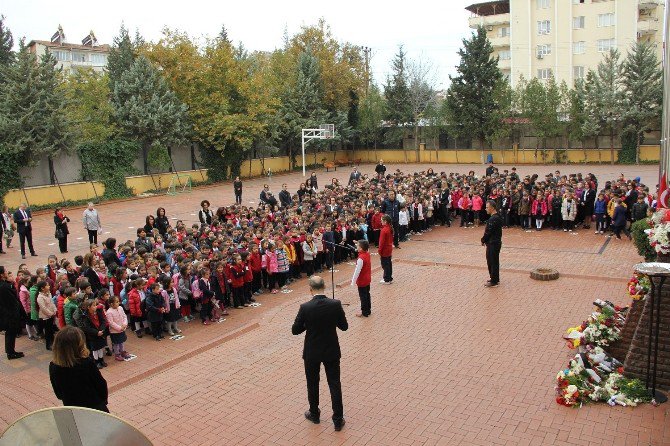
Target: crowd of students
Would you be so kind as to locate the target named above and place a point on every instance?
(169, 275)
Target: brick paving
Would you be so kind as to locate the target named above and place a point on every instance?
(442, 360)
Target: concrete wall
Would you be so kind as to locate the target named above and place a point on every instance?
(43, 195)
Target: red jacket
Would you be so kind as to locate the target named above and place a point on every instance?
(134, 303)
(377, 221)
(237, 275)
(248, 274)
(59, 311)
(256, 262)
(385, 242)
(365, 276)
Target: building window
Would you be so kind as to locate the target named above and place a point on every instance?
(578, 72)
(604, 45)
(543, 50)
(579, 47)
(79, 57)
(99, 59)
(543, 27)
(578, 22)
(544, 73)
(606, 20)
(61, 56)
(543, 4)
(504, 31)
(505, 55)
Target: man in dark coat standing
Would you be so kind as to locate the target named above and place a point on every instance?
(380, 169)
(319, 318)
(493, 240)
(285, 196)
(391, 207)
(354, 176)
(23, 219)
(12, 315)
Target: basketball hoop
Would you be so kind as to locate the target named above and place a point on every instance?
(325, 131)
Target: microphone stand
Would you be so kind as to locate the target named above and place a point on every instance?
(332, 261)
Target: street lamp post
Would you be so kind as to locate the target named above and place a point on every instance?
(664, 168)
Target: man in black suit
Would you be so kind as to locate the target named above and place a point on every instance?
(23, 218)
(319, 318)
(493, 240)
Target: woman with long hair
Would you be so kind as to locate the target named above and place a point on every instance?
(74, 376)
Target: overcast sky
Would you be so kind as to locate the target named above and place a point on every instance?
(427, 28)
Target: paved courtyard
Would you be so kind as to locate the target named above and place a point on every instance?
(442, 360)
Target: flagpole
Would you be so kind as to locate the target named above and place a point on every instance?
(663, 199)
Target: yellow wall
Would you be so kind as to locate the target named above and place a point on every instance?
(650, 153)
(40, 195)
(161, 181)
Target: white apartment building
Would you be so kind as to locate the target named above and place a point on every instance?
(72, 56)
(565, 38)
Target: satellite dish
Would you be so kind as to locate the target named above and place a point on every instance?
(72, 426)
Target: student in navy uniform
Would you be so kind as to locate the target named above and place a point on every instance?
(320, 317)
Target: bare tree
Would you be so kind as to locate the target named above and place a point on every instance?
(422, 79)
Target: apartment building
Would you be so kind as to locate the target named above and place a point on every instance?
(73, 56)
(565, 38)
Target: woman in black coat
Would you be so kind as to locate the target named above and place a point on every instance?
(162, 222)
(12, 315)
(74, 376)
(61, 220)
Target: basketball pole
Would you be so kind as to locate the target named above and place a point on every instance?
(303, 153)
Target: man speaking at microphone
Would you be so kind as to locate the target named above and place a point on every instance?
(320, 317)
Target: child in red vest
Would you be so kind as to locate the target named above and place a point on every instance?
(362, 277)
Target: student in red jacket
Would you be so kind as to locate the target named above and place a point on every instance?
(385, 249)
(376, 225)
(256, 263)
(237, 273)
(363, 276)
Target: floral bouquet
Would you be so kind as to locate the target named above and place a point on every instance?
(658, 233)
(638, 286)
(600, 329)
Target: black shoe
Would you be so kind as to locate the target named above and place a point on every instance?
(108, 352)
(33, 254)
(139, 333)
(312, 417)
(102, 361)
(2, 252)
(49, 348)
(98, 364)
(339, 424)
(15, 355)
(147, 331)
(23, 256)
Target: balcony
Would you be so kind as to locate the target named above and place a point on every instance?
(499, 42)
(647, 26)
(650, 4)
(489, 20)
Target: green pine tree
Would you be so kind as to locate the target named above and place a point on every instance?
(397, 94)
(6, 45)
(642, 80)
(372, 111)
(33, 122)
(471, 98)
(122, 54)
(147, 110)
(611, 95)
(592, 124)
(302, 105)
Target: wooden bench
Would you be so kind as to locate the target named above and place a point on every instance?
(342, 162)
(356, 162)
(329, 166)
